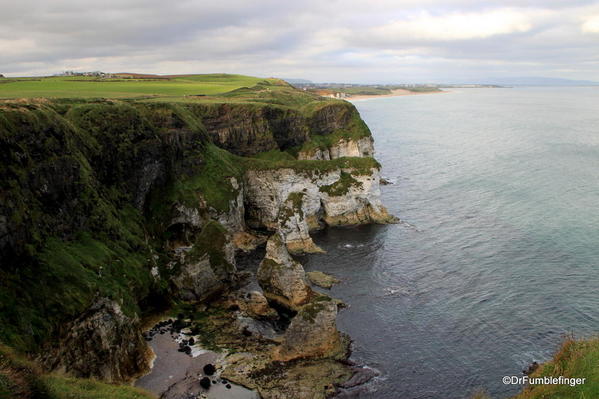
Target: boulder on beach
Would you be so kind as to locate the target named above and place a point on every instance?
(205, 383)
(209, 369)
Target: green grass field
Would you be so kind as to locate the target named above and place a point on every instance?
(89, 87)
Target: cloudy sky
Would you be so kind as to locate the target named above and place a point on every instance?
(320, 40)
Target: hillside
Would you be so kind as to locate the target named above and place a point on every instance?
(113, 211)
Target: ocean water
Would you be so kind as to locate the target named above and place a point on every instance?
(498, 253)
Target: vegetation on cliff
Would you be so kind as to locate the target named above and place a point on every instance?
(23, 379)
(89, 188)
(341, 186)
(574, 359)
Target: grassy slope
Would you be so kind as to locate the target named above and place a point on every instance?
(575, 359)
(86, 87)
(22, 379)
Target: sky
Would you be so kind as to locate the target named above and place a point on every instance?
(362, 41)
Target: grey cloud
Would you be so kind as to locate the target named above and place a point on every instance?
(319, 40)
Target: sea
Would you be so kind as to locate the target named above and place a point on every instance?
(496, 259)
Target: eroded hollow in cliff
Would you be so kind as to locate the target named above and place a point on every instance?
(180, 235)
(284, 316)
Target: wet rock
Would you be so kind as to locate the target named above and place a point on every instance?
(361, 376)
(321, 279)
(301, 379)
(209, 369)
(531, 369)
(282, 278)
(205, 383)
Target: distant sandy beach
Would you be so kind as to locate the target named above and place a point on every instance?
(394, 93)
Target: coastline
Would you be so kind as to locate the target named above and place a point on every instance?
(394, 93)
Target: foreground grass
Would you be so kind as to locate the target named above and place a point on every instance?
(575, 359)
(75, 388)
(23, 379)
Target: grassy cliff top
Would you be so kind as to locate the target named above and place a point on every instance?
(124, 86)
(177, 88)
(204, 89)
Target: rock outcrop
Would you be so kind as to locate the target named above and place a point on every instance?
(282, 278)
(102, 343)
(321, 279)
(254, 304)
(248, 130)
(312, 333)
(294, 202)
(207, 266)
(361, 147)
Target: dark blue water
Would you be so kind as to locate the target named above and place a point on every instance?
(499, 253)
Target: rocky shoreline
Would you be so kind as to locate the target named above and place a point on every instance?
(280, 341)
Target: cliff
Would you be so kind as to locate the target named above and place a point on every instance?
(112, 210)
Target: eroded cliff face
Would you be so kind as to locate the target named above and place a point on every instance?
(102, 343)
(295, 202)
(134, 202)
(250, 129)
(361, 147)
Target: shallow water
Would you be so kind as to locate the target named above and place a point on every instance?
(498, 255)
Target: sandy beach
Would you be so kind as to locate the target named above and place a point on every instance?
(176, 375)
(394, 93)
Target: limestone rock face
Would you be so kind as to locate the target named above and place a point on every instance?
(255, 304)
(294, 202)
(234, 219)
(282, 278)
(312, 333)
(362, 147)
(207, 266)
(197, 280)
(185, 218)
(101, 343)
